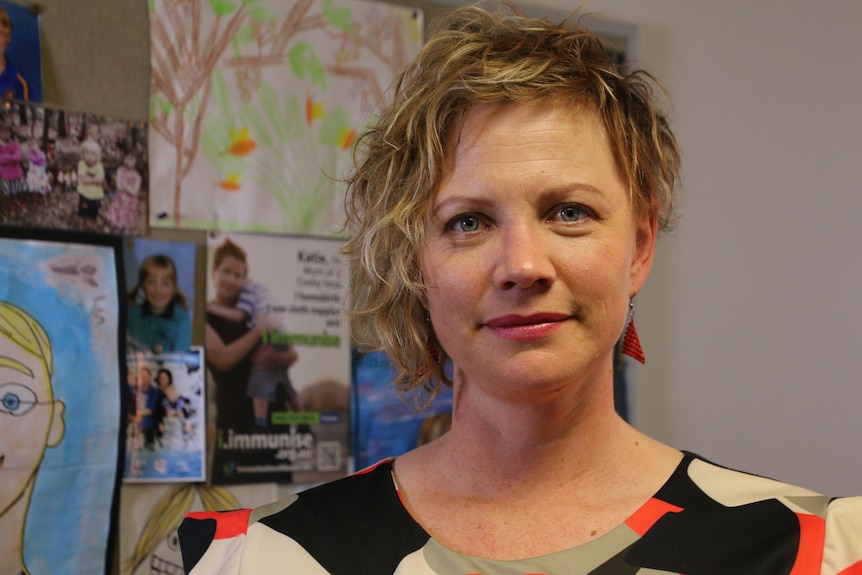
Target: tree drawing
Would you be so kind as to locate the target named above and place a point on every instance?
(218, 98)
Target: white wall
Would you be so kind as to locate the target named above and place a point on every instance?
(752, 319)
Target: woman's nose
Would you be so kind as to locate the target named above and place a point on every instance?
(524, 259)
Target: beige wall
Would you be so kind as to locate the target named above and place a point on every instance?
(753, 317)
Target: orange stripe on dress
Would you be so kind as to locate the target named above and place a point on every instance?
(855, 569)
(812, 532)
(228, 523)
(650, 512)
(373, 466)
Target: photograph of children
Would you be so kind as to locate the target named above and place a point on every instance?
(278, 358)
(160, 298)
(20, 54)
(60, 400)
(66, 170)
(166, 430)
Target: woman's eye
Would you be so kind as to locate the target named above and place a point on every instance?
(466, 223)
(572, 213)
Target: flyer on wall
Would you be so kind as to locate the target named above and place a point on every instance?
(278, 358)
(385, 424)
(166, 430)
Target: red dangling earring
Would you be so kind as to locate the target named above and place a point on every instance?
(631, 341)
(431, 348)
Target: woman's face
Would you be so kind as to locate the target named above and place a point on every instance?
(532, 251)
(229, 277)
(159, 289)
(164, 379)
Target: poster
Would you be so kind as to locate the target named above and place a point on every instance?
(160, 276)
(151, 514)
(385, 424)
(254, 107)
(21, 78)
(60, 400)
(73, 171)
(278, 358)
(166, 428)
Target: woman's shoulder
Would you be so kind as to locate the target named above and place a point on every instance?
(719, 508)
(343, 526)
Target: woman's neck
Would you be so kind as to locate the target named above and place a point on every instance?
(565, 438)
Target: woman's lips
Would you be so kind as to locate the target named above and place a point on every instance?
(526, 327)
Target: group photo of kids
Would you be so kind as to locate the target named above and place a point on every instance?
(72, 171)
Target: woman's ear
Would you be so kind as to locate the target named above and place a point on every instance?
(644, 250)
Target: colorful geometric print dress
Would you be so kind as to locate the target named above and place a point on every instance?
(706, 520)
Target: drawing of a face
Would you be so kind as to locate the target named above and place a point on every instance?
(166, 558)
(30, 419)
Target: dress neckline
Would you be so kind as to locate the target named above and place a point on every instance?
(593, 552)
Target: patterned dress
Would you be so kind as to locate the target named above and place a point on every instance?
(706, 520)
(123, 213)
(37, 177)
(12, 178)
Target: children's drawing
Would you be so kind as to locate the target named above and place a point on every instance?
(60, 403)
(255, 104)
(31, 420)
(151, 514)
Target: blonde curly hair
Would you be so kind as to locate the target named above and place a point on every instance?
(479, 55)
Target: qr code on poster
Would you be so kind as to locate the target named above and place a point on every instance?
(328, 456)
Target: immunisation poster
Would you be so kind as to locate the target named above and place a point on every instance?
(278, 358)
(254, 107)
(60, 400)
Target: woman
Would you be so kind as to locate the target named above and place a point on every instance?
(503, 214)
(233, 351)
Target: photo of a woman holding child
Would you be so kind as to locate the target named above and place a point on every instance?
(233, 348)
